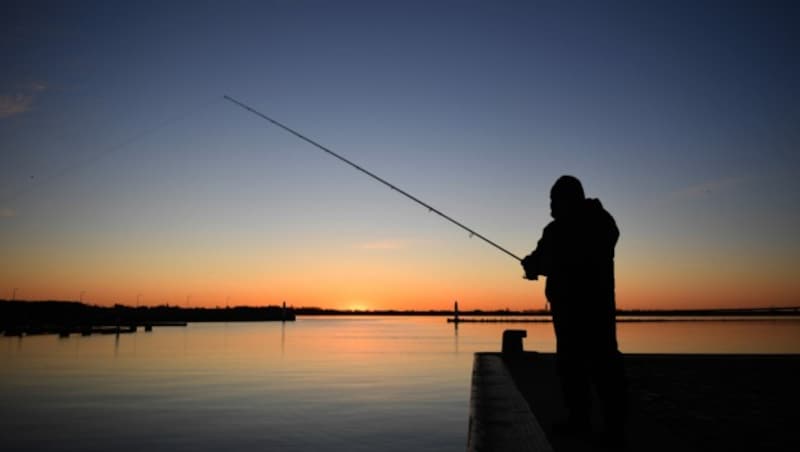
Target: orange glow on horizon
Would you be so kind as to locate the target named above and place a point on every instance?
(396, 280)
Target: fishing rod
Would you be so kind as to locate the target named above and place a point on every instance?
(430, 208)
(42, 180)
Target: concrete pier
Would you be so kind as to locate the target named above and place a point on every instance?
(500, 419)
(686, 402)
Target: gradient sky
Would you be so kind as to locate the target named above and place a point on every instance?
(125, 173)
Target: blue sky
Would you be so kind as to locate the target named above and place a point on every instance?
(680, 116)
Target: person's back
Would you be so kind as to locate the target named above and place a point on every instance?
(580, 277)
(576, 253)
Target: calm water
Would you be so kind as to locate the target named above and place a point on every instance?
(324, 383)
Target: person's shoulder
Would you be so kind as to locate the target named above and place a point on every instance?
(550, 229)
(597, 215)
(594, 204)
(594, 207)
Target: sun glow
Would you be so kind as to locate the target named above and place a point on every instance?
(357, 306)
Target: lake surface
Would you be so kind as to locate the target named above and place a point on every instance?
(320, 383)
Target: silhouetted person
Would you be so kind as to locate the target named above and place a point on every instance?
(576, 253)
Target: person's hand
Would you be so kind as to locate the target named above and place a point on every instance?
(529, 265)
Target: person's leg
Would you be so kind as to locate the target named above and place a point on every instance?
(576, 390)
(572, 371)
(611, 384)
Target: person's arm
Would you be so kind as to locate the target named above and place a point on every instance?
(531, 264)
(538, 262)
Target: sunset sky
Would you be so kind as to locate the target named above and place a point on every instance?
(125, 175)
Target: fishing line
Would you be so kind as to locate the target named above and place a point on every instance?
(430, 208)
(94, 158)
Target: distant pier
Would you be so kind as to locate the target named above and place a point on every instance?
(634, 316)
(84, 330)
(622, 319)
(498, 320)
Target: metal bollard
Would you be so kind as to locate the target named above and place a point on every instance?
(512, 341)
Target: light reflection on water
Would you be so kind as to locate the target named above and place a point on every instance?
(321, 383)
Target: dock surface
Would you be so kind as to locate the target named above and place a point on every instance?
(500, 419)
(678, 402)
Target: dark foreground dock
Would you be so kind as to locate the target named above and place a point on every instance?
(678, 402)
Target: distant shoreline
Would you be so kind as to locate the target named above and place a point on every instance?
(755, 312)
(243, 312)
(18, 318)
(22, 318)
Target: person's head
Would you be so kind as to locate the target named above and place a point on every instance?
(565, 196)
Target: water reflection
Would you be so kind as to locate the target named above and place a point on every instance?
(283, 338)
(725, 336)
(329, 384)
(455, 335)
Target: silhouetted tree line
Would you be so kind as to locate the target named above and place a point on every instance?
(14, 314)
